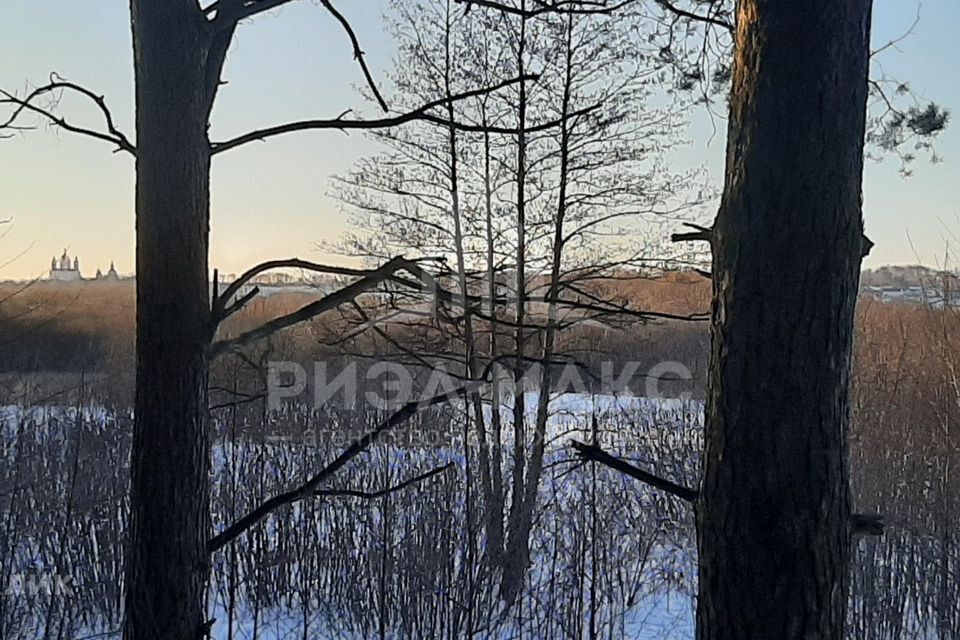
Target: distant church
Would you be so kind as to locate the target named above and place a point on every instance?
(63, 270)
(67, 270)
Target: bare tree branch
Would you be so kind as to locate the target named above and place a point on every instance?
(311, 310)
(240, 303)
(700, 233)
(674, 9)
(430, 285)
(58, 86)
(542, 7)
(372, 495)
(244, 399)
(422, 113)
(221, 301)
(588, 7)
(216, 57)
(227, 13)
(893, 43)
(706, 235)
(861, 523)
(591, 452)
(357, 52)
(310, 487)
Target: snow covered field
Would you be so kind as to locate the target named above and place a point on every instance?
(606, 552)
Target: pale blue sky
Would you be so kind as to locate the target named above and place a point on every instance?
(269, 200)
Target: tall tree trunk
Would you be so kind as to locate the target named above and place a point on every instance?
(491, 459)
(523, 525)
(166, 569)
(473, 401)
(773, 518)
(514, 558)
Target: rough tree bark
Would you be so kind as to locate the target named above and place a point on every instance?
(773, 517)
(167, 563)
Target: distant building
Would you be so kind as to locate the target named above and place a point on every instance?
(67, 269)
(110, 276)
(63, 270)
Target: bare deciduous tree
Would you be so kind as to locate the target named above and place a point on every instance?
(529, 222)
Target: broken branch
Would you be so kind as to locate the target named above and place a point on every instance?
(596, 454)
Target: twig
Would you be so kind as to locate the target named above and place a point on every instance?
(357, 52)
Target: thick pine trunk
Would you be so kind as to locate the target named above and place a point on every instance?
(773, 518)
(166, 569)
